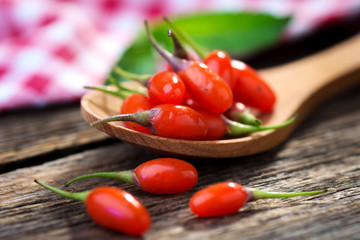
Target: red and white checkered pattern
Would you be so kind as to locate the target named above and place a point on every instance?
(50, 49)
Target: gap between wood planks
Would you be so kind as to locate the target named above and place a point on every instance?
(51, 156)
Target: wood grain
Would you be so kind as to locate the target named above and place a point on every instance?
(324, 152)
(29, 134)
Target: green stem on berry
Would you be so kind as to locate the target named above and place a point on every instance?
(258, 194)
(113, 81)
(132, 90)
(236, 128)
(132, 76)
(125, 176)
(246, 118)
(121, 94)
(80, 196)
(176, 63)
(198, 49)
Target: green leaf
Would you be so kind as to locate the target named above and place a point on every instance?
(238, 34)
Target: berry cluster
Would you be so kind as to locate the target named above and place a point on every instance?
(205, 99)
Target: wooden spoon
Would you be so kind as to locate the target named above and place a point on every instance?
(300, 87)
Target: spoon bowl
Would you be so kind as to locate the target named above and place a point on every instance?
(300, 86)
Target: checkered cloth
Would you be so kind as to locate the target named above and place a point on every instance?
(50, 49)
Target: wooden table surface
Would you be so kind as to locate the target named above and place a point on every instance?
(54, 144)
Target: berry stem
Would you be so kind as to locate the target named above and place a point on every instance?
(132, 76)
(122, 87)
(142, 118)
(140, 91)
(258, 194)
(176, 63)
(125, 176)
(236, 128)
(121, 94)
(112, 80)
(80, 196)
(179, 50)
(199, 50)
(247, 118)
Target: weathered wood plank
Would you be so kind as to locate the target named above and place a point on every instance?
(28, 134)
(323, 153)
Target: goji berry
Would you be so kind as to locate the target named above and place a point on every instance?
(228, 197)
(112, 208)
(251, 89)
(220, 62)
(166, 87)
(158, 176)
(166, 120)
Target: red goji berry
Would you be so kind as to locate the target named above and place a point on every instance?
(166, 87)
(117, 209)
(166, 176)
(216, 124)
(158, 176)
(166, 120)
(220, 62)
(228, 197)
(163, 87)
(251, 89)
(219, 199)
(207, 88)
(112, 208)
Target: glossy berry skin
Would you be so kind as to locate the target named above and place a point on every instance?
(251, 89)
(220, 62)
(177, 121)
(216, 124)
(219, 199)
(206, 87)
(237, 107)
(136, 103)
(117, 209)
(190, 102)
(166, 87)
(166, 176)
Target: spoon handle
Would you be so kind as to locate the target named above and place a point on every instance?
(304, 84)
